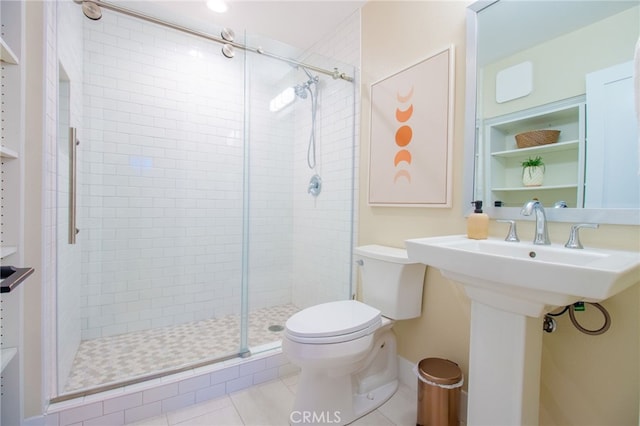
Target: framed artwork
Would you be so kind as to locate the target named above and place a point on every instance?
(411, 135)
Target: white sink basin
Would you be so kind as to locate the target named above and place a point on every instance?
(525, 278)
(511, 285)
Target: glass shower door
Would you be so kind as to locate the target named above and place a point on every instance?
(153, 283)
(299, 250)
(198, 236)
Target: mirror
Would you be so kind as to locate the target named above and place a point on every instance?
(534, 66)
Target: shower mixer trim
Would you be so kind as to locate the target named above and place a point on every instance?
(315, 185)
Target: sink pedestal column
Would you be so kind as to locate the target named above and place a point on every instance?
(504, 367)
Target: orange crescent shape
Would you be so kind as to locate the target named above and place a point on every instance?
(405, 115)
(402, 155)
(402, 173)
(405, 98)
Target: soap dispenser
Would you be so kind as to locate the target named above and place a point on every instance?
(478, 223)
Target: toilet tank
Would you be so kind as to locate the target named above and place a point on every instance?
(390, 281)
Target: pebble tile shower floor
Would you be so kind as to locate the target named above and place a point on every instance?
(113, 359)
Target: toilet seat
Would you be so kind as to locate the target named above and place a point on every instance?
(333, 322)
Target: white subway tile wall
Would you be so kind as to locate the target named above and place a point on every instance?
(163, 178)
(271, 185)
(324, 227)
(163, 182)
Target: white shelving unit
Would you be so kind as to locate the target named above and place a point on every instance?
(12, 134)
(8, 153)
(6, 54)
(12, 93)
(7, 355)
(564, 160)
(6, 251)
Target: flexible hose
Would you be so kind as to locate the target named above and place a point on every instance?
(605, 327)
(311, 149)
(566, 308)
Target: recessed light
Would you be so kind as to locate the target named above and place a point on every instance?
(218, 6)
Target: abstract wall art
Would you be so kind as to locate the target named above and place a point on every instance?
(411, 133)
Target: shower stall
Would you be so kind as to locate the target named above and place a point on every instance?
(187, 228)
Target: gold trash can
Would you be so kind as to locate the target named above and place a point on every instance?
(439, 383)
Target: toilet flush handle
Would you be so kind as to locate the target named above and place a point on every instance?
(360, 262)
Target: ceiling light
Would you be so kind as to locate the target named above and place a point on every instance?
(218, 6)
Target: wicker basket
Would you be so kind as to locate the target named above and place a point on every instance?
(536, 138)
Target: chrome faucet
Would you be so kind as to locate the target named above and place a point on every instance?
(512, 236)
(574, 236)
(542, 234)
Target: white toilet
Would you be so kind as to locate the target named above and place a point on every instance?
(346, 350)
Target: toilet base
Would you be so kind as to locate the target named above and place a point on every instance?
(364, 404)
(323, 398)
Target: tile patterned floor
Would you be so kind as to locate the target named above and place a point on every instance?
(117, 358)
(269, 404)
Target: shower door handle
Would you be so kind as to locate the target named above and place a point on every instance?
(73, 144)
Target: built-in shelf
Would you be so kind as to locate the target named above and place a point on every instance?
(563, 160)
(7, 355)
(6, 54)
(8, 251)
(536, 150)
(7, 152)
(12, 137)
(11, 277)
(536, 188)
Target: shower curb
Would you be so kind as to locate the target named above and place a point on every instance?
(156, 397)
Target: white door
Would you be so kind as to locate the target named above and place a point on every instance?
(612, 168)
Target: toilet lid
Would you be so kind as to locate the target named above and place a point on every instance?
(333, 322)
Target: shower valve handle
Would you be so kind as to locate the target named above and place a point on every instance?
(315, 185)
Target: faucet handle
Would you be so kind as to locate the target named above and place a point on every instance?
(512, 236)
(574, 235)
(561, 204)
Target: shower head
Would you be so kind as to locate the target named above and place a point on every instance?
(91, 10)
(302, 89)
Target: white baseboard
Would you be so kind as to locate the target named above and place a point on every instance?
(406, 374)
(35, 421)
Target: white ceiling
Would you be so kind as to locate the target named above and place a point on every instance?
(298, 23)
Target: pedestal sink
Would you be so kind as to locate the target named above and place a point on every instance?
(511, 285)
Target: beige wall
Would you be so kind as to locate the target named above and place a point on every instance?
(586, 380)
(396, 35)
